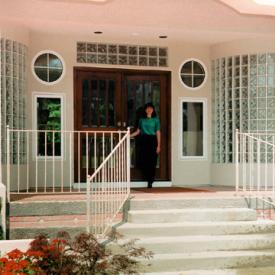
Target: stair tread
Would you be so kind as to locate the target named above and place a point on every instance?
(178, 210)
(207, 238)
(214, 254)
(198, 223)
(268, 270)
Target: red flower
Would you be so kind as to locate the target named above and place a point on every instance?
(15, 254)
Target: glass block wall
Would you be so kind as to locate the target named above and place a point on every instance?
(13, 89)
(243, 97)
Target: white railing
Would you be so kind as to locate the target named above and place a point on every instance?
(49, 161)
(255, 162)
(109, 188)
(3, 222)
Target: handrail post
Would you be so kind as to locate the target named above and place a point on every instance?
(128, 160)
(8, 163)
(237, 160)
(3, 209)
(88, 204)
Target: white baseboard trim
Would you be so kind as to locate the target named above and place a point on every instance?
(141, 184)
(134, 184)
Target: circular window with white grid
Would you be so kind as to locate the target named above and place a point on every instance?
(48, 67)
(193, 74)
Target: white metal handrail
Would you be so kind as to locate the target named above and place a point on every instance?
(3, 209)
(255, 162)
(52, 161)
(109, 188)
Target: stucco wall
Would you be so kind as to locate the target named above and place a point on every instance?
(183, 172)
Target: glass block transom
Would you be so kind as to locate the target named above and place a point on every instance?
(243, 95)
(120, 54)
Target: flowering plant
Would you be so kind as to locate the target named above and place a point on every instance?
(83, 255)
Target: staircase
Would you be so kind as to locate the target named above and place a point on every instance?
(47, 214)
(201, 236)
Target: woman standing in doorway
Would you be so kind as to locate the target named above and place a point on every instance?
(149, 128)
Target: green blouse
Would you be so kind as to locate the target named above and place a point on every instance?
(149, 126)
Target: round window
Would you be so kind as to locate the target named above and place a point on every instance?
(193, 74)
(48, 67)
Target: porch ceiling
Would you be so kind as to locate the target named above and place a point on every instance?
(203, 21)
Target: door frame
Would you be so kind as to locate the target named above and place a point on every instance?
(130, 72)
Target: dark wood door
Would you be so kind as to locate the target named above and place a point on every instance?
(108, 99)
(141, 89)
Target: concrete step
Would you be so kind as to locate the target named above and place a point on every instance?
(191, 214)
(190, 244)
(29, 227)
(269, 270)
(178, 203)
(134, 230)
(47, 208)
(209, 261)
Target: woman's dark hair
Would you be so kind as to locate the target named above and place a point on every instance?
(149, 104)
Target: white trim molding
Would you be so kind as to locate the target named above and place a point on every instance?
(205, 131)
(35, 96)
(205, 74)
(63, 67)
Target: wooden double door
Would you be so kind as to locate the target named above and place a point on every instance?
(114, 99)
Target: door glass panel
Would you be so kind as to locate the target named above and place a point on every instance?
(98, 103)
(139, 93)
(111, 103)
(192, 129)
(94, 103)
(131, 103)
(102, 103)
(85, 103)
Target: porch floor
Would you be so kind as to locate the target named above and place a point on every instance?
(142, 193)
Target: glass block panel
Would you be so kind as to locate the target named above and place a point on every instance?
(91, 48)
(142, 61)
(271, 58)
(261, 69)
(91, 58)
(81, 58)
(122, 59)
(112, 59)
(102, 48)
(81, 47)
(133, 50)
(163, 62)
(262, 58)
(153, 51)
(102, 59)
(271, 80)
(163, 52)
(253, 60)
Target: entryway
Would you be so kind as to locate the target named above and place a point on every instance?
(113, 99)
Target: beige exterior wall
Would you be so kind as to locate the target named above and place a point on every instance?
(15, 32)
(183, 172)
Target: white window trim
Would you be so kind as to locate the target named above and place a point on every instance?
(204, 102)
(35, 96)
(63, 65)
(205, 70)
